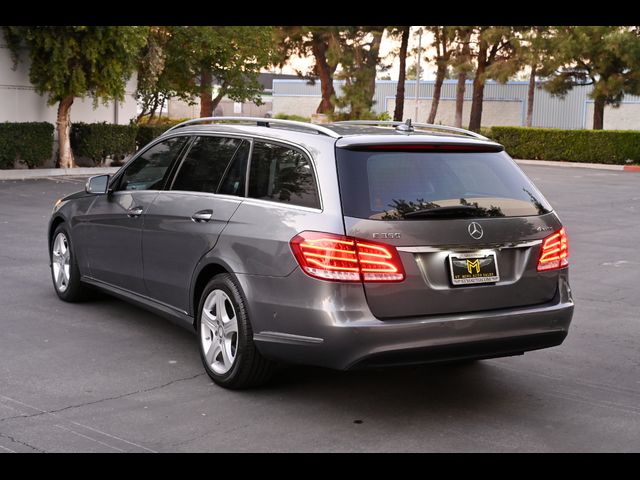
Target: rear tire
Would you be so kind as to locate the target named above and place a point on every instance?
(64, 268)
(225, 337)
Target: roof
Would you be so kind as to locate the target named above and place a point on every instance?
(343, 133)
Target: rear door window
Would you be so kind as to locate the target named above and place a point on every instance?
(404, 185)
(206, 162)
(282, 174)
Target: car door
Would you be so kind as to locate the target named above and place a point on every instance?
(114, 221)
(185, 221)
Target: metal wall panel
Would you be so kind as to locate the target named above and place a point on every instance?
(569, 112)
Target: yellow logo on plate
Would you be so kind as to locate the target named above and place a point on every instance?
(475, 264)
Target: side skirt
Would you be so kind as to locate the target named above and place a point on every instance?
(172, 314)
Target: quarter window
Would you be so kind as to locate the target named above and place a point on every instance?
(150, 170)
(205, 164)
(282, 174)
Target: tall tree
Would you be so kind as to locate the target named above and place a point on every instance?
(538, 53)
(151, 92)
(495, 58)
(77, 61)
(316, 41)
(606, 57)
(403, 32)
(359, 58)
(232, 55)
(443, 38)
(463, 66)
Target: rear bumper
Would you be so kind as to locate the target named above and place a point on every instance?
(334, 328)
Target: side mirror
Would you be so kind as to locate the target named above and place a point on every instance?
(98, 184)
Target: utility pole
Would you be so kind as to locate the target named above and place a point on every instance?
(415, 119)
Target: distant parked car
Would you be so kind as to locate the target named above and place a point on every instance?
(348, 245)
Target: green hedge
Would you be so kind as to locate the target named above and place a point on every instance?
(30, 142)
(146, 133)
(296, 118)
(98, 141)
(593, 146)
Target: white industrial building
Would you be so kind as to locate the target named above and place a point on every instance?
(504, 104)
(19, 101)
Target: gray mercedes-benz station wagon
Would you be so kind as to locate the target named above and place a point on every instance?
(346, 245)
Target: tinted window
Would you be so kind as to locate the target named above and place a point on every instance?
(149, 170)
(389, 185)
(282, 174)
(234, 178)
(204, 165)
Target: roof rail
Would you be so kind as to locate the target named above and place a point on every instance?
(261, 122)
(426, 126)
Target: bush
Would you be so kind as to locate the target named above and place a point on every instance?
(286, 116)
(98, 141)
(594, 146)
(149, 131)
(30, 142)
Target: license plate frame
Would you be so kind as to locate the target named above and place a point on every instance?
(473, 275)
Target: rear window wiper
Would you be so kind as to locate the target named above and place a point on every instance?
(452, 210)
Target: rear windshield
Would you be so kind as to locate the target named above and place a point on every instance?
(428, 185)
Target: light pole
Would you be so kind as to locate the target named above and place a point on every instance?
(415, 119)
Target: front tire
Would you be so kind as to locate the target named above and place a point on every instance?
(64, 267)
(226, 345)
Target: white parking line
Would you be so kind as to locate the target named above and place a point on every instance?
(89, 438)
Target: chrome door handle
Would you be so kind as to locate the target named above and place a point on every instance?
(202, 216)
(134, 212)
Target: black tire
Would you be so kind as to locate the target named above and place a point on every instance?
(75, 291)
(250, 368)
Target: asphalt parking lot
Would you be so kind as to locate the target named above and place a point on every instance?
(109, 377)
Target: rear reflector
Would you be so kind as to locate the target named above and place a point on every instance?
(554, 252)
(346, 259)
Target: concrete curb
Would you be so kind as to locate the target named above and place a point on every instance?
(596, 166)
(25, 174)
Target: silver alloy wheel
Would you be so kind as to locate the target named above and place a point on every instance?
(219, 332)
(61, 258)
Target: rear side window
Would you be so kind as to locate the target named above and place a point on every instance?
(205, 164)
(234, 177)
(415, 185)
(282, 174)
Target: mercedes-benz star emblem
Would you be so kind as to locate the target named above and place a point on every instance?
(475, 230)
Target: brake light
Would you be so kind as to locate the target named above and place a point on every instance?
(554, 252)
(347, 259)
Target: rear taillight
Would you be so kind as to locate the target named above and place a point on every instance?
(554, 252)
(347, 259)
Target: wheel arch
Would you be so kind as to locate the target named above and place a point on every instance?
(205, 273)
(55, 222)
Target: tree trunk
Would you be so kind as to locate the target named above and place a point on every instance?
(475, 119)
(371, 62)
(399, 110)
(217, 99)
(65, 155)
(460, 88)
(325, 72)
(598, 113)
(462, 78)
(437, 89)
(530, 96)
(206, 82)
